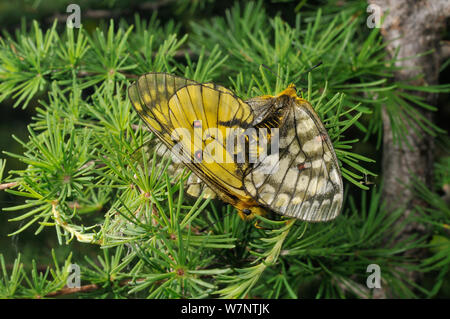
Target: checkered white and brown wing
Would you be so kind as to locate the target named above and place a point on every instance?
(303, 178)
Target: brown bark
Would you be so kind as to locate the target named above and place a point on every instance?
(412, 27)
(88, 288)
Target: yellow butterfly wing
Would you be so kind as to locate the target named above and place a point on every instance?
(194, 185)
(171, 106)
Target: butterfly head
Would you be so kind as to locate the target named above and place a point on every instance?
(291, 91)
(249, 213)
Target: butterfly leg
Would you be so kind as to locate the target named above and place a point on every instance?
(256, 224)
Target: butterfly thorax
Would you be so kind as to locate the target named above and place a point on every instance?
(275, 112)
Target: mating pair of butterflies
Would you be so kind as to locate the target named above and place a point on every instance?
(305, 182)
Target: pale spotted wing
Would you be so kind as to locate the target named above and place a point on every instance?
(303, 179)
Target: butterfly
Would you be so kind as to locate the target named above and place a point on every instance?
(300, 176)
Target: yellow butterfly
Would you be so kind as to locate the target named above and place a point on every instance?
(300, 177)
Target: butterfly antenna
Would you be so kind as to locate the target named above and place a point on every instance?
(311, 68)
(271, 71)
(213, 223)
(142, 145)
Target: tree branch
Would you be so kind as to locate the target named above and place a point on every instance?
(8, 185)
(90, 287)
(410, 28)
(108, 14)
